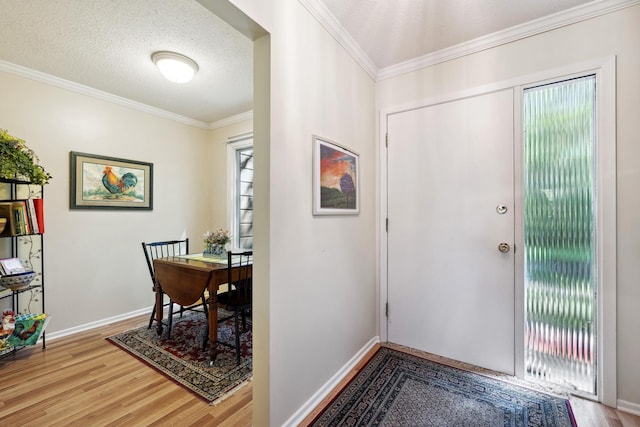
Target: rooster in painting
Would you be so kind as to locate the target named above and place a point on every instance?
(117, 185)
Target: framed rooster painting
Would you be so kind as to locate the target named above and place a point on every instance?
(335, 179)
(101, 182)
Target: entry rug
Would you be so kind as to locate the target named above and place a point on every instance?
(181, 358)
(400, 389)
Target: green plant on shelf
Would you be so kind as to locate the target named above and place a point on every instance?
(17, 161)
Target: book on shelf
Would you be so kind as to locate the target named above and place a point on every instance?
(23, 217)
(33, 218)
(12, 211)
(38, 205)
(20, 212)
(10, 266)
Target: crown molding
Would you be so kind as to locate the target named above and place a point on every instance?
(567, 17)
(94, 93)
(247, 115)
(321, 13)
(528, 29)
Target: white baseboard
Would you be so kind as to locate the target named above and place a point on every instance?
(629, 407)
(97, 324)
(333, 382)
(318, 396)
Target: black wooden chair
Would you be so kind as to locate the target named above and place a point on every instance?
(238, 298)
(154, 250)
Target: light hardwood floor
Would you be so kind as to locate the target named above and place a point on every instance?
(83, 380)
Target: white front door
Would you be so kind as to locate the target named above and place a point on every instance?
(450, 205)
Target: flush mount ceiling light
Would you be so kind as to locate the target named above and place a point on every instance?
(175, 67)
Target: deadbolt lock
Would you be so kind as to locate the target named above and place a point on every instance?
(504, 247)
(501, 209)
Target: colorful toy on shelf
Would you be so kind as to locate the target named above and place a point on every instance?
(7, 327)
(19, 330)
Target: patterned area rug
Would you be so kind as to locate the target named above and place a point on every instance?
(181, 358)
(399, 389)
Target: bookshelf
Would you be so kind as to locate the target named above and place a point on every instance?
(23, 238)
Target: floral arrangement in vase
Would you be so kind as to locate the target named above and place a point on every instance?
(215, 242)
(17, 161)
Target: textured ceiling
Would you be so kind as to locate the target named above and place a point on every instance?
(391, 32)
(107, 45)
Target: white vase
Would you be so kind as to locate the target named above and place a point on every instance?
(215, 250)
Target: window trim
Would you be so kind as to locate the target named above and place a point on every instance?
(234, 144)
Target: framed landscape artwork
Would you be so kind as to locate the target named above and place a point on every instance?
(101, 182)
(335, 179)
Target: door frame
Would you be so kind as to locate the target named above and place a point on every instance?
(605, 71)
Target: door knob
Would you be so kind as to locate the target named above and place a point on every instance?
(504, 247)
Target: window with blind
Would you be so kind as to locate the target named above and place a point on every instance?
(244, 199)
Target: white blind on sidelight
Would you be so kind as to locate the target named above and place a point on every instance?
(244, 158)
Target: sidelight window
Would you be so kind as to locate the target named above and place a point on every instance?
(241, 192)
(560, 233)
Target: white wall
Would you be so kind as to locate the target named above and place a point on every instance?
(614, 34)
(94, 264)
(321, 283)
(317, 304)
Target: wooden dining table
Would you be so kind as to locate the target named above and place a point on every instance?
(184, 279)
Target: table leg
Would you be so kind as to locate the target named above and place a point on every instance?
(159, 308)
(213, 325)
